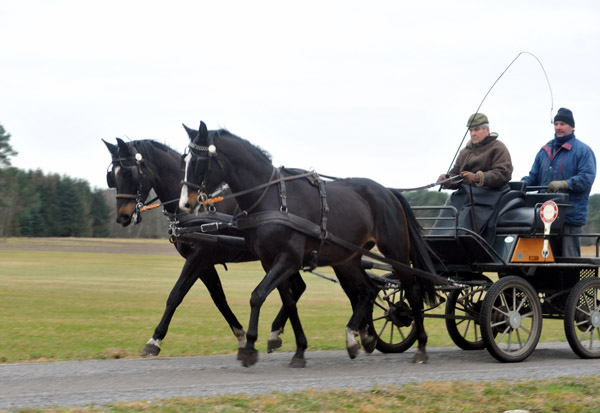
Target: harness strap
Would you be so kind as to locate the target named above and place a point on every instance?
(282, 191)
(260, 198)
(311, 229)
(313, 259)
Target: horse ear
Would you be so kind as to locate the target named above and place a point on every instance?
(122, 146)
(191, 132)
(203, 132)
(111, 148)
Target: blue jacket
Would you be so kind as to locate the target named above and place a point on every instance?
(575, 163)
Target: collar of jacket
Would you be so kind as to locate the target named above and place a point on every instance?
(567, 145)
(490, 138)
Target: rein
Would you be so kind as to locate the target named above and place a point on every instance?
(441, 183)
(214, 200)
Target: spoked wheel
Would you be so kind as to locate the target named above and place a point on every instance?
(393, 321)
(582, 318)
(511, 319)
(463, 312)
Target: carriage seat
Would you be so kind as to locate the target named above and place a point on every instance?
(523, 217)
(514, 198)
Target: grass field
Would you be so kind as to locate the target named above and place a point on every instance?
(70, 299)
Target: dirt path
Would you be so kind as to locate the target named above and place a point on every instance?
(80, 383)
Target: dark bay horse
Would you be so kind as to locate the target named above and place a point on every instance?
(142, 165)
(289, 221)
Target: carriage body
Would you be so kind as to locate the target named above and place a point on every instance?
(505, 289)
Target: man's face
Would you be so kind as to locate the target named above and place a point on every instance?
(562, 129)
(478, 133)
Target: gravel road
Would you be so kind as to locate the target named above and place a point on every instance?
(80, 383)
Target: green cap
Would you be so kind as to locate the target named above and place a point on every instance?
(477, 119)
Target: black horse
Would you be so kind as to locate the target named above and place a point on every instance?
(294, 219)
(142, 165)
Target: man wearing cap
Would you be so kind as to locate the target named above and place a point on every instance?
(485, 167)
(565, 164)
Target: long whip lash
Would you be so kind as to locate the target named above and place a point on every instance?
(494, 84)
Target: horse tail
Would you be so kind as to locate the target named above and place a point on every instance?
(421, 254)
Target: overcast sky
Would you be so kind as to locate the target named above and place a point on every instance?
(380, 89)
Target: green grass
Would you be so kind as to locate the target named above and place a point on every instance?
(74, 305)
(92, 305)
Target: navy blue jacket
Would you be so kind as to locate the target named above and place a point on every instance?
(575, 163)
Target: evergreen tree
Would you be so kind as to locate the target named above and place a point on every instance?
(6, 151)
(100, 213)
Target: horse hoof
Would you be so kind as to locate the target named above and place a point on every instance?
(420, 358)
(273, 344)
(297, 363)
(369, 343)
(150, 350)
(353, 351)
(248, 357)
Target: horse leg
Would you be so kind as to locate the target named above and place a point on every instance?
(413, 296)
(275, 275)
(211, 280)
(289, 304)
(186, 280)
(361, 292)
(298, 287)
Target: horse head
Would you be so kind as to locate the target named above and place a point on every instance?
(126, 174)
(203, 170)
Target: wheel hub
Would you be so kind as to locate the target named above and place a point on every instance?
(595, 319)
(399, 315)
(514, 319)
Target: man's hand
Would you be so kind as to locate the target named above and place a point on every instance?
(556, 186)
(442, 177)
(470, 177)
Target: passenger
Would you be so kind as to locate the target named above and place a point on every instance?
(486, 168)
(565, 164)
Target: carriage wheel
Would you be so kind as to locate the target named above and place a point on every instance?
(393, 321)
(463, 310)
(582, 318)
(511, 319)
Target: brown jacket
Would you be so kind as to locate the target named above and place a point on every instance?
(489, 159)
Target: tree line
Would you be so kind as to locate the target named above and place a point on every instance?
(34, 204)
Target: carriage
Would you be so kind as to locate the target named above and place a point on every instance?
(501, 292)
(495, 295)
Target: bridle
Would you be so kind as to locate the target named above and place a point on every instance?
(206, 153)
(137, 175)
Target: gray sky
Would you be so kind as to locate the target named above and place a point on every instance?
(380, 89)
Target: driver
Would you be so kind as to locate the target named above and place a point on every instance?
(485, 166)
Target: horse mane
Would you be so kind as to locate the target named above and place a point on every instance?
(252, 147)
(148, 148)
